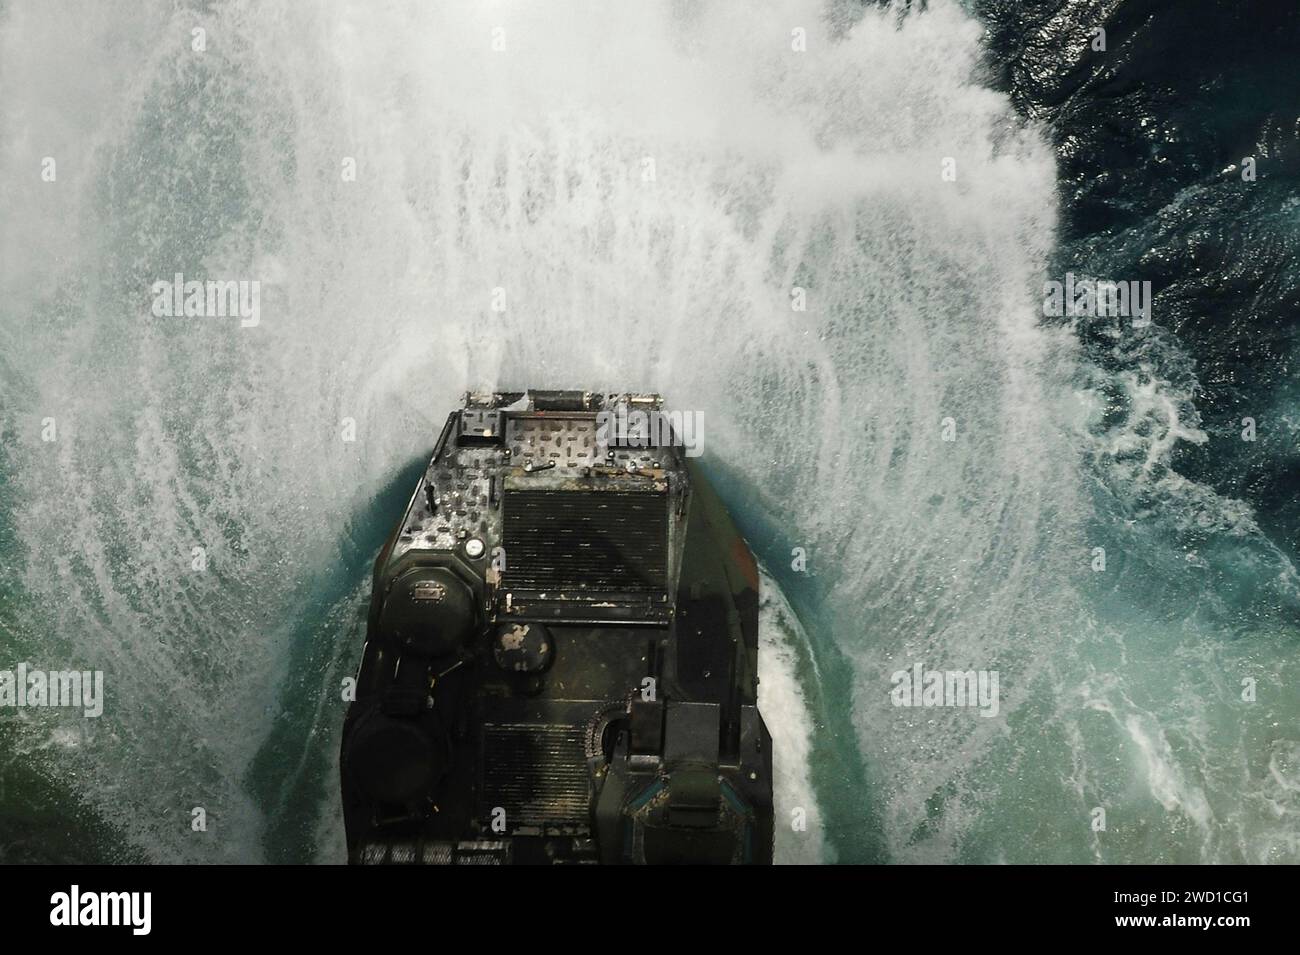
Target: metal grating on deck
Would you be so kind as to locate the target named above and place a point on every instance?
(537, 772)
(586, 541)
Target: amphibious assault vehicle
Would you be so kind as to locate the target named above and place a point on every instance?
(561, 661)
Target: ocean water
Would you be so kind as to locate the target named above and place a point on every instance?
(642, 186)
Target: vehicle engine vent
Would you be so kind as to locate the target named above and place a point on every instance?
(537, 772)
(586, 541)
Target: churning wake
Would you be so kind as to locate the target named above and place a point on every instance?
(657, 196)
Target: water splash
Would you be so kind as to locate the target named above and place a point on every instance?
(643, 188)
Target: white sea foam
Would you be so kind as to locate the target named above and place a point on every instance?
(784, 705)
(522, 170)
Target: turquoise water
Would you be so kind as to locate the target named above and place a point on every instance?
(525, 170)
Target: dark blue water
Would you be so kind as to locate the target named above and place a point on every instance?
(1151, 137)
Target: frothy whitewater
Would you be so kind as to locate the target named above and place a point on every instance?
(600, 196)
